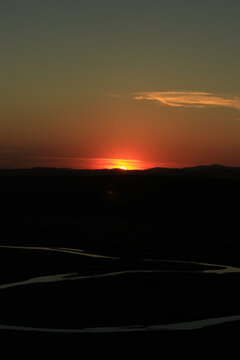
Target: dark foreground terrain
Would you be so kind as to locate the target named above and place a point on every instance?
(122, 265)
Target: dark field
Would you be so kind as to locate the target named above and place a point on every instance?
(159, 273)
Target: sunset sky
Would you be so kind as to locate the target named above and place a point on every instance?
(119, 83)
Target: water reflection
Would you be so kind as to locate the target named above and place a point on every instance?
(154, 269)
(182, 326)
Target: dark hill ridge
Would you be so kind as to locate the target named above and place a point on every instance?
(186, 210)
(215, 171)
(211, 171)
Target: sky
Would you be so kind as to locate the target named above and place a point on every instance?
(119, 83)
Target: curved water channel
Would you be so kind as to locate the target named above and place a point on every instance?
(116, 298)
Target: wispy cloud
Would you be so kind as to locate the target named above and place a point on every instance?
(97, 163)
(189, 99)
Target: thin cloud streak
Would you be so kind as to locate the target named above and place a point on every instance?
(100, 163)
(189, 99)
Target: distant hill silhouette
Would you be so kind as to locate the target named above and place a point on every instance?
(209, 171)
(175, 212)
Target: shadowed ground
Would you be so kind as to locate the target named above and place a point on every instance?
(120, 220)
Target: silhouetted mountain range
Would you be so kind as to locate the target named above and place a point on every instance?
(209, 171)
(172, 211)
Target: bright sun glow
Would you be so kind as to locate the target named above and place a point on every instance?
(123, 164)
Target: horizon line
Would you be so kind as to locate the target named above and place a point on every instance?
(117, 168)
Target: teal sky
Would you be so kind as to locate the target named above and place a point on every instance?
(70, 69)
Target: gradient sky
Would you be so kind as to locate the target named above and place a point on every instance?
(85, 81)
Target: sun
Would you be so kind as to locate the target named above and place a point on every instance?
(120, 164)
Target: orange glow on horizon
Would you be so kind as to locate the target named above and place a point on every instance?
(123, 164)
